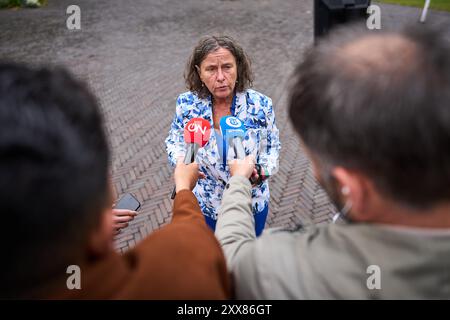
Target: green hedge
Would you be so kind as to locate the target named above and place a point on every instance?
(22, 3)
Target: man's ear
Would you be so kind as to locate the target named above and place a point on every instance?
(101, 239)
(354, 187)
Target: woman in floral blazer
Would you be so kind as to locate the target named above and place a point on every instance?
(219, 76)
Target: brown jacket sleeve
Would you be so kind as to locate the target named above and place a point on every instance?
(182, 260)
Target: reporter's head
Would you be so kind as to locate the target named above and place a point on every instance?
(53, 176)
(373, 112)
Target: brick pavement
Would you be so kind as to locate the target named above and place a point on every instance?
(133, 55)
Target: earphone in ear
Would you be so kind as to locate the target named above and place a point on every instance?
(348, 205)
(345, 190)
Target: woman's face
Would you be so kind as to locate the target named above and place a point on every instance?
(218, 71)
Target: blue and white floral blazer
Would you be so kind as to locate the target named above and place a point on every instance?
(261, 140)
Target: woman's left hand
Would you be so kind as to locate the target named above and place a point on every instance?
(254, 177)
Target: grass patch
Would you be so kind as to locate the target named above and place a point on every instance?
(22, 3)
(443, 5)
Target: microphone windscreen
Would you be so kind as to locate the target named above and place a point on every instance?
(231, 127)
(198, 131)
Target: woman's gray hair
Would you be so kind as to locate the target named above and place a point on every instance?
(210, 44)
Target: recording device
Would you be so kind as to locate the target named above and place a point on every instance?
(259, 170)
(196, 134)
(128, 201)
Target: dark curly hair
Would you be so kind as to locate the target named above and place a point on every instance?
(210, 44)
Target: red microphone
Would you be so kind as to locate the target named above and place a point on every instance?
(196, 135)
(197, 132)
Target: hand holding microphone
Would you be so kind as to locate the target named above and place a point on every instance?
(196, 135)
(233, 132)
(242, 167)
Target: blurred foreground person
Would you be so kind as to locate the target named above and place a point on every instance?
(373, 114)
(56, 203)
(219, 77)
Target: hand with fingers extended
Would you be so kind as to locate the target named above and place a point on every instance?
(121, 218)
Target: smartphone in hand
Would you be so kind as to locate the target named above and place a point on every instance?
(129, 202)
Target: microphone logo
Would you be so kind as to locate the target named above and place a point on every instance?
(233, 122)
(197, 131)
(196, 127)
